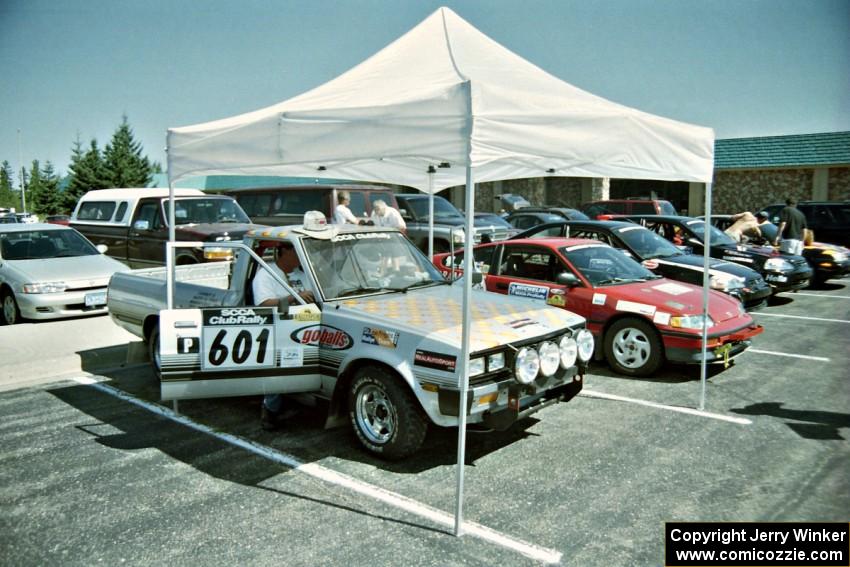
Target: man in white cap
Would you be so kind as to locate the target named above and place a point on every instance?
(383, 215)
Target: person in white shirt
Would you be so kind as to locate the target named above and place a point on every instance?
(268, 292)
(342, 214)
(383, 215)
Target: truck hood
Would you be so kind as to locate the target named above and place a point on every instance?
(673, 297)
(436, 313)
(81, 271)
(205, 230)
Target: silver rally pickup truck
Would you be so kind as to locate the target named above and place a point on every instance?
(382, 342)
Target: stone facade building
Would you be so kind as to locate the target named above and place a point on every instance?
(749, 173)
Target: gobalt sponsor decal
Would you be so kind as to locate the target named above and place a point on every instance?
(435, 360)
(323, 336)
(238, 316)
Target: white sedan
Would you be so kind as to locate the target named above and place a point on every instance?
(49, 271)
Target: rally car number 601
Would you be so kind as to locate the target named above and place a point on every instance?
(237, 338)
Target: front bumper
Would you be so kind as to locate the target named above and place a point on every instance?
(753, 297)
(791, 280)
(513, 401)
(721, 346)
(40, 306)
(827, 269)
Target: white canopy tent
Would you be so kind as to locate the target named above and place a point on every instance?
(446, 99)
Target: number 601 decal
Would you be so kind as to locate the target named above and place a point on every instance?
(238, 352)
(231, 340)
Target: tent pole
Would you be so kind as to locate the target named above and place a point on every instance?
(431, 172)
(169, 250)
(705, 280)
(465, 340)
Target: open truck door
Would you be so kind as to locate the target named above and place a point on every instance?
(237, 351)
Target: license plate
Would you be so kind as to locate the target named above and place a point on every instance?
(95, 299)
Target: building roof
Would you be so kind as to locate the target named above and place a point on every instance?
(802, 150)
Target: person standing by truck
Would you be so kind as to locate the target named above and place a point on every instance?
(269, 293)
(792, 224)
(342, 214)
(383, 215)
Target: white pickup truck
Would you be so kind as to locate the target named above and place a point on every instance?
(382, 343)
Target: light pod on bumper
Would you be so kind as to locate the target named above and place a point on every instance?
(527, 365)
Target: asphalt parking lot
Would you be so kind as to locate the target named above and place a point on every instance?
(95, 471)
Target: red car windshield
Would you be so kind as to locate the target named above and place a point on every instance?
(603, 265)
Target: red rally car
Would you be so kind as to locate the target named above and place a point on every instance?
(638, 319)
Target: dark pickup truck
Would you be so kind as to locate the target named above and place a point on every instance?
(133, 224)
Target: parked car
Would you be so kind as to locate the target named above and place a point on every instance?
(280, 206)
(382, 346)
(829, 220)
(28, 218)
(8, 219)
(533, 216)
(448, 223)
(511, 202)
(49, 271)
(597, 209)
(133, 223)
(495, 222)
(523, 220)
(662, 257)
(638, 319)
(783, 272)
(64, 220)
(829, 261)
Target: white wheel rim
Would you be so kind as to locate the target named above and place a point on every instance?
(632, 348)
(376, 415)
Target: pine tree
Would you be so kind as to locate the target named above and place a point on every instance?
(125, 164)
(44, 195)
(86, 172)
(8, 196)
(35, 188)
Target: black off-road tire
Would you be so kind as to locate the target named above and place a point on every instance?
(385, 417)
(153, 351)
(633, 347)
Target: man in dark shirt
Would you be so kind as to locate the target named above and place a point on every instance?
(792, 223)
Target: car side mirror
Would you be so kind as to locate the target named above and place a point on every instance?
(694, 241)
(404, 214)
(568, 279)
(102, 248)
(142, 225)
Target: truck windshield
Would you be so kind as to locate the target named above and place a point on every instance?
(355, 264)
(418, 209)
(212, 210)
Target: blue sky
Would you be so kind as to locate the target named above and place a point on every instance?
(73, 67)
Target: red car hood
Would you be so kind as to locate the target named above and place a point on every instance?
(676, 298)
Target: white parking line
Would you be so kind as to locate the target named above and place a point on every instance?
(317, 471)
(804, 356)
(691, 411)
(823, 295)
(799, 317)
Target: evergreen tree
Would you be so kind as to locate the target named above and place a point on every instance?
(86, 172)
(35, 187)
(8, 195)
(44, 195)
(125, 164)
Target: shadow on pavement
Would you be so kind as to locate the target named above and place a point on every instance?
(303, 437)
(142, 430)
(822, 425)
